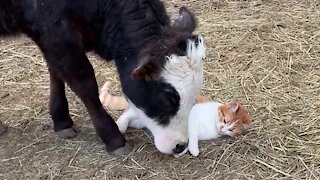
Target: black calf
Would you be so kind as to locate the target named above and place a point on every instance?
(135, 33)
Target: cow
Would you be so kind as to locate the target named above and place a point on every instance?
(137, 34)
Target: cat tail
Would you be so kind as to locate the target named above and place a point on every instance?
(112, 102)
(201, 99)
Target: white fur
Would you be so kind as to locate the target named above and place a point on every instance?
(185, 74)
(204, 124)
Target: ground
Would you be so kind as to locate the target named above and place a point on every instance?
(263, 53)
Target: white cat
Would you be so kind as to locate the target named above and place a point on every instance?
(210, 120)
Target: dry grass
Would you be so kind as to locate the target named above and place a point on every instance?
(264, 53)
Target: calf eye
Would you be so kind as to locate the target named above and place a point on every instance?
(182, 45)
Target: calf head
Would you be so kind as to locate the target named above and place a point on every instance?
(170, 70)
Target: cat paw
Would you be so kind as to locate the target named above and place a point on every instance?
(122, 126)
(194, 152)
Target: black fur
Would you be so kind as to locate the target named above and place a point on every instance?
(135, 33)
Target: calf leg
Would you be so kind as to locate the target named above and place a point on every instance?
(78, 73)
(83, 83)
(58, 106)
(68, 62)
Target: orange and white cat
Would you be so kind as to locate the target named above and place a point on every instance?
(207, 119)
(211, 119)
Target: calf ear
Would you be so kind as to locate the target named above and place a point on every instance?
(146, 69)
(186, 22)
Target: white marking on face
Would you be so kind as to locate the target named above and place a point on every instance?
(185, 74)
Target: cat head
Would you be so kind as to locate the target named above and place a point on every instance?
(234, 119)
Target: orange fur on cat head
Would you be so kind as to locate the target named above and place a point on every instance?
(234, 113)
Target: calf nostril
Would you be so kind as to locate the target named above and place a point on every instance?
(179, 148)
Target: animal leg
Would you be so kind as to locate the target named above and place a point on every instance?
(193, 145)
(66, 58)
(135, 123)
(58, 107)
(125, 119)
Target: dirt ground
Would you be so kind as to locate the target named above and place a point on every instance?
(263, 53)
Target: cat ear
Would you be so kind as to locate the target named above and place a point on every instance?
(233, 106)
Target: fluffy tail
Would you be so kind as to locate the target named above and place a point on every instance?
(8, 18)
(201, 99)
(112, 102)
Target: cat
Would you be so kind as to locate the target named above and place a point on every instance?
(210, 120)
(207, 119)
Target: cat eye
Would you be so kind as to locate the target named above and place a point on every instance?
(224, 120)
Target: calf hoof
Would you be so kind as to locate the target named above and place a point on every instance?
(66, 133)
(3, 129)
(122, 151)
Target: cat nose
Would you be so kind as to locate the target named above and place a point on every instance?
(221, 127)
(179, 148)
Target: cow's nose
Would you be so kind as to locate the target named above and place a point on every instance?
(180, 147)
